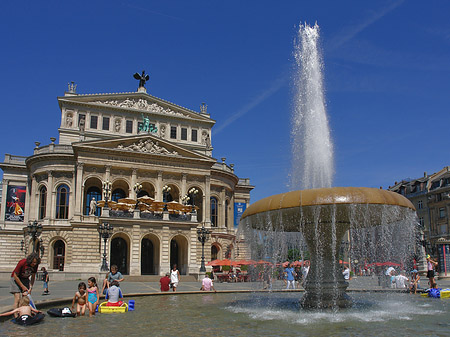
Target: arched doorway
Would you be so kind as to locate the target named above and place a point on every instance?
(179, 253)
(150, 255)
(147, 266)
(59, 250)
(119, 254)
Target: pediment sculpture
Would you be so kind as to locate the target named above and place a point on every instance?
(147, 146)
(141, 104)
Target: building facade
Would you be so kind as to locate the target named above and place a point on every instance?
(431, 197)
(122, 146)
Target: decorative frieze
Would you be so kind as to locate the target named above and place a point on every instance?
(147, 146)
(141, 104)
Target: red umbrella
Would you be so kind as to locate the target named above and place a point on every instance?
(213, 263)
(297, 263)
(224, 262)
(262, 262)
(246, 262)
(285, 264)
(343, 262)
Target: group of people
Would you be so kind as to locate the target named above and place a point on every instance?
(87, 296)
(170, 280)
(294, 277)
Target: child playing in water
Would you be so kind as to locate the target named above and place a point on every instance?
(114, 295)
(80, 298)
(92, 292)
(24, 310)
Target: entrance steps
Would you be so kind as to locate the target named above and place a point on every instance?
(155, 278)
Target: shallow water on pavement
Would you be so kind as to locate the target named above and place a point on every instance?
(268, 314)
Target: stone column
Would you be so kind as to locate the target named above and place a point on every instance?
(207, 202)
(183, 185)
(133, 182)
(135, 251)
(165, 251)
(158, 187)
(79, 190)
(194, 261)
(72, 197)
(4, 193)
(221, 211)
(32, 201)
(51, 207)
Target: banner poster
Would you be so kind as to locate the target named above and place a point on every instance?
(239, 208)
(15, 203)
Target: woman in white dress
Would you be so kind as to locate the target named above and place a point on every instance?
(174, 277)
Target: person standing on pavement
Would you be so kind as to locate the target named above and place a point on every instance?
(20, 283)
(174, 277)
(45, 278)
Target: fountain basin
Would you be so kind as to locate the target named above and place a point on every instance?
(323, 216)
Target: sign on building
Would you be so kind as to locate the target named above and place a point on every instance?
(15, 203)
(239, 208)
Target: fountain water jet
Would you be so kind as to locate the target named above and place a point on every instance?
(322, 214)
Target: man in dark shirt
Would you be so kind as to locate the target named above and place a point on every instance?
(165, 282)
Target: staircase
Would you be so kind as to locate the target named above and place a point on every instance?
(155, 278)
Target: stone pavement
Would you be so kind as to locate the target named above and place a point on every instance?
(64, 290)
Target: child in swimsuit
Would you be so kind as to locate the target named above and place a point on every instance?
(93, 296)
(80, 298)
(24, 310)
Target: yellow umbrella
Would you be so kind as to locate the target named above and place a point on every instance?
(127, 201)
(146, 199)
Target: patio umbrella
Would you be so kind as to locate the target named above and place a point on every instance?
(175, 205)
(224, 262)
(146, 199)
(112, 204)
(262, 262)
(297, 263)
(143, 206)
(127, 201)
(285, 264)
(100, 203)
(213, 263)
(246, 262)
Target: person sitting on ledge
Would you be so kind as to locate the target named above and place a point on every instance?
(113, 275)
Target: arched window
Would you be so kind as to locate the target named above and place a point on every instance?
(214, 212)
(117, 194)
(227, 205)
(62, 202)
(42, 202)
(92, 192)
(214, 252)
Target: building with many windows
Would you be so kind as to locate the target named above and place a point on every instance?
(431, 197)
(134, 161)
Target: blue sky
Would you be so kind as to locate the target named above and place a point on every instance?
(386, 74)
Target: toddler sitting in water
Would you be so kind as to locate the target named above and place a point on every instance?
(24, 310)
(114, 295)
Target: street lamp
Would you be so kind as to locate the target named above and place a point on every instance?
(192, 193)
(106, 185)
(185, 199)
(104, 230)
(34, 229)
(202, 237)
(137, 188)
(166, 189)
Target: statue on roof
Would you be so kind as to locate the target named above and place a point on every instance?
(142, 78)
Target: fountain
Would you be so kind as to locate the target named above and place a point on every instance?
(323, 214)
